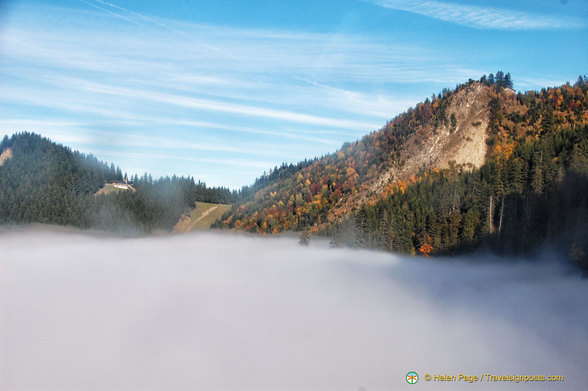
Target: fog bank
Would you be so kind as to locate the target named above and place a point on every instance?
(225, 312)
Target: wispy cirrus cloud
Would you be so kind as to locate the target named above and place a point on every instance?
(481, 17)
(102, 76)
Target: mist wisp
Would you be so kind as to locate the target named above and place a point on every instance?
(225, 312)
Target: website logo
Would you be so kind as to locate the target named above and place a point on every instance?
(412, 377)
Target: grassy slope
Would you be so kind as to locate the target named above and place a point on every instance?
(202, 217)
(108, 188)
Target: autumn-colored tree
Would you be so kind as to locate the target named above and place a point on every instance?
(426, 249)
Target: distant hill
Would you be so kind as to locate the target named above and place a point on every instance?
(478, 165)
(44, 182)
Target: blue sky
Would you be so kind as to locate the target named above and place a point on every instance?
(223, 90)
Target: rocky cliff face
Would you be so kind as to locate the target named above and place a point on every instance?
(463, 142)
(5, 155)
(459, 140)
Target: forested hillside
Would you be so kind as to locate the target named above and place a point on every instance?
(42, 182)
(513, 205)
(47, 183)
(418, 184)
(463, 127)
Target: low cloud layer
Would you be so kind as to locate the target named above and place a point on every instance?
(208, 312)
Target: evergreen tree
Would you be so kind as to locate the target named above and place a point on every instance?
(491, 79)
(508, 81)
(499, 80)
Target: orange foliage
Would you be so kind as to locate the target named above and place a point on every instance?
(425, 249)
(507, 150)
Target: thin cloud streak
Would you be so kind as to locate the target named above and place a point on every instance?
(233, 108)
(481, 17)
(132, 17)
(301, 59)
(258, 164)
(113, 13)
(94, 142)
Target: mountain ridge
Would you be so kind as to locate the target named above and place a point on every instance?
(469, 166)
(497, 160)
(458, 128)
